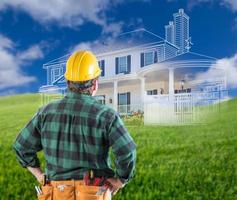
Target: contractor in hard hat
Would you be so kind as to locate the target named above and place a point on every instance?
(75, 134)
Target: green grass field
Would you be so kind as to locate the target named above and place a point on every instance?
(179, 162)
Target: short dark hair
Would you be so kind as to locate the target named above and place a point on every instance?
(82, 87)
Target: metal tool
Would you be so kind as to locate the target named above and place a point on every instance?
(38, 190)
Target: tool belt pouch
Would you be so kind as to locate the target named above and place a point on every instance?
(64, 192)
(47, 191)
(85, 192)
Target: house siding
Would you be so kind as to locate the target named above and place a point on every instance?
(135, 56)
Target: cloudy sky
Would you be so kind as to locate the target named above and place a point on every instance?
(37, 31)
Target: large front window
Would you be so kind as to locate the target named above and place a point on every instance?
(123, 99)
(124, 103)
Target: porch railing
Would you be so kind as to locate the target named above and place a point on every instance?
(186, 108)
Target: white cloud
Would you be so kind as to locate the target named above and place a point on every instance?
(230, 67)
(113, 28)
(64, 12)
(34, 52)
(83, 45)
(70, 13)
(232, 4)
(5, 42)
(98, 46)
(87, 45)
(11, 74)
(133, 24)
(235, 24)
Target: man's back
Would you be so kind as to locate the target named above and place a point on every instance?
(74, 135)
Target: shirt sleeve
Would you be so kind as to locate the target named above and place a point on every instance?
(123, 148)
(28, 143)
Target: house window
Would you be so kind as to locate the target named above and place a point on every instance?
(148, 58)
(123, 99)
(102, 67)
(56, 73)
(124, 103)
(152, 92)
(100, 99)
(123, 64)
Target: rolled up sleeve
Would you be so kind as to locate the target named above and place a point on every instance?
(28, 143)
(124, 149)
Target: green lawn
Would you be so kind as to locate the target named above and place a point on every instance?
(179, 162)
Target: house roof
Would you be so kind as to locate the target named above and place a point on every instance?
(127, 40)
(57, 61)
(191, 56)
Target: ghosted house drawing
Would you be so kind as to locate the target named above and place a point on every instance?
(145, 73)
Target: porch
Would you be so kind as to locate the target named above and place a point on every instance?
(165, 96)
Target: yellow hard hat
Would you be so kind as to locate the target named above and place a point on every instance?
(82, 66)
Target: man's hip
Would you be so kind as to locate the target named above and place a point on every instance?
(73, 190)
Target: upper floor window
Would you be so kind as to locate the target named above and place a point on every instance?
(148, 58)
(102, 67)
(123, 64)
(56, 73)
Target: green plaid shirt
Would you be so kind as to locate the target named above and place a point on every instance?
(75, 134)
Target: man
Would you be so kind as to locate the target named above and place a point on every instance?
(76, 134)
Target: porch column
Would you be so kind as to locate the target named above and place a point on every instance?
(115, 100)
(171, 81)
(170, 108)
(143, 89)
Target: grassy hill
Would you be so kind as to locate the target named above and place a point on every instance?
(181, 162)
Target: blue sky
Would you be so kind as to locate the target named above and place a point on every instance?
(33, 33)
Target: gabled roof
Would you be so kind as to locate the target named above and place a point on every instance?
(57, 61)
(127, 40)
(191, 56)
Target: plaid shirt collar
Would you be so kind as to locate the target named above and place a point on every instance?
(74, 95)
